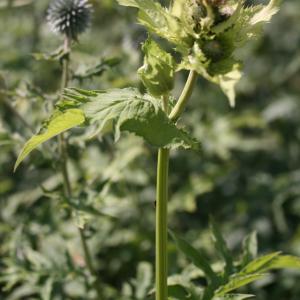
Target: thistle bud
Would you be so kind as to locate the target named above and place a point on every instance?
(69, 17)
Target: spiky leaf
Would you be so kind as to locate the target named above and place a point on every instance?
(128, 110)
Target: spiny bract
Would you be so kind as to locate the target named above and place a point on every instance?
(69, 17)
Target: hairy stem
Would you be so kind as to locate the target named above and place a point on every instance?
(161, 261)
(66, 178)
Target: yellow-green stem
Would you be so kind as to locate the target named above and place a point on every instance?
(184, 97)
(161, 260)
(161, 224)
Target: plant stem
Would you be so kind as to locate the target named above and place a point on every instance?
(184, 97)
(161, 224)
(161, 260)
(66, 178)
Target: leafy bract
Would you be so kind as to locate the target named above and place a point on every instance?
(266, 13)
(207, 34)
(160, 21)
(158, 70)
(58, 123)
(113, 110)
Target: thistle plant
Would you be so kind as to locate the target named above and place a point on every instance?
(206, 35)
(70, 18)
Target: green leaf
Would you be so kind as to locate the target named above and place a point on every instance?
(58, 123)
(160, 21)
(222, 248)
(283, 262)
(197, 257)
(177, 292)
(56, 55)
(260, 263)
(128, 110)
(237, 281)
(98, 69)
(158, 70)
(249, 248)
(234, 297)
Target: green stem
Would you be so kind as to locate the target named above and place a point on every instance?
(184, 97)
(66, 178)
(161, 224)
(161, 261)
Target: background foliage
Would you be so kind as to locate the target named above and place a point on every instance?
(247, 176)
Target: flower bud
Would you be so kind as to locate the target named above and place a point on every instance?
(69, 17)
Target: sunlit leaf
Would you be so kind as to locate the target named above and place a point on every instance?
(259, 263)
(237, 281)
(57, 124)
(233, 297)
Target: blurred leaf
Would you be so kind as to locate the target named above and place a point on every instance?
(98, 69)
(56, 55)
(249, 248)
(237, 281)
(222, 248)
(283, 262)
(144, 280)
(177, 291)
(260, 263)
(233, 297)
(197, 257)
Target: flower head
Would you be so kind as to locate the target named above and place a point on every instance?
(69, 17)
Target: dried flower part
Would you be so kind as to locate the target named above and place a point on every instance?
(69, 17)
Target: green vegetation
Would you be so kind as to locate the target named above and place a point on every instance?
(77, 217)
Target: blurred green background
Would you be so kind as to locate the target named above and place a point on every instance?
(247, 177)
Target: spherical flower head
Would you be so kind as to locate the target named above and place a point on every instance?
(69, 17)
